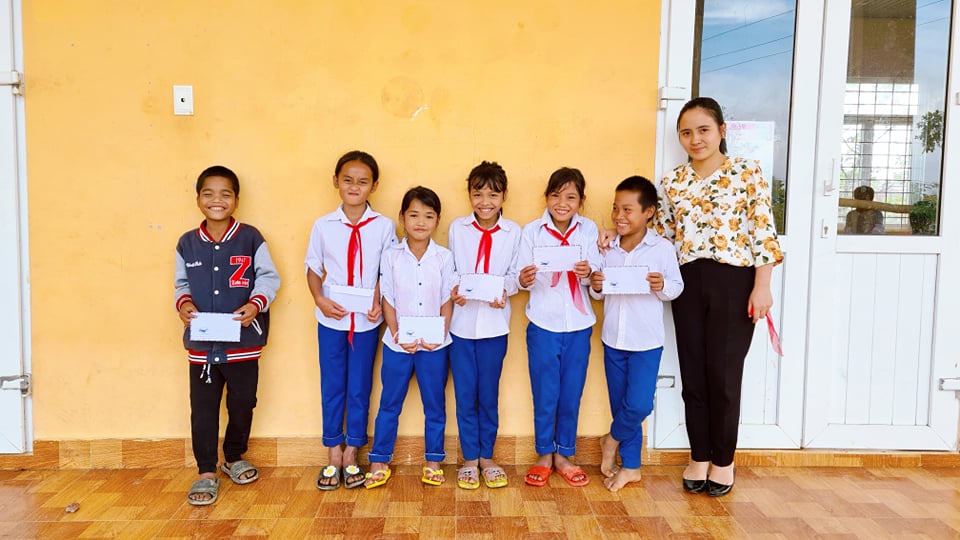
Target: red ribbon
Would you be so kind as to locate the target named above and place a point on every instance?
(774, 337)
(486, 243)
(353, 248)
(572, 279)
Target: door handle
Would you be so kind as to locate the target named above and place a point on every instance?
(830, 184)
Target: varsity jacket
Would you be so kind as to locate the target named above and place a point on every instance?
(220, 276)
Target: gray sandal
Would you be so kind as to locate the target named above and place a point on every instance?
(328, 473)
(204, 486)
(238, 469)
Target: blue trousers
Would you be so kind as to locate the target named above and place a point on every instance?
(346, 377)
(431, 369)
(631, 383)
(558, 370)
(476, 365)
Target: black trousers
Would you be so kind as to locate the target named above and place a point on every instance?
(713, 337)
(240, 378)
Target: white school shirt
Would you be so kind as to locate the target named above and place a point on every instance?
(634, 322)
(552, 308)
(416, 288)
(327, 251)
(476, 319)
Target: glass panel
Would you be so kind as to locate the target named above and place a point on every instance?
(744, 60)
(892, 149)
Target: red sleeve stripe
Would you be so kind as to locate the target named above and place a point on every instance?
(260, 301)
(182, 300)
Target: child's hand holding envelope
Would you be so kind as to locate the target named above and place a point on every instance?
(483, 287)
(215, 327)
(556, 258)
(626, 280)
(429, 329)
(352, 299)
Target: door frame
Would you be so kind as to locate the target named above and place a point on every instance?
(941, 431)
(16, 410)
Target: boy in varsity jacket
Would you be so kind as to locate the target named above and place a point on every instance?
(223, 267)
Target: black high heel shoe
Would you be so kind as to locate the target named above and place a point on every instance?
(716, 489)
(694, 486)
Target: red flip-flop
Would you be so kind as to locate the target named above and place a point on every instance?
(535, 471)
(574, 472)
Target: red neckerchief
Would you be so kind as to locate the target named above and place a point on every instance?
(353, 248)
(486, 243)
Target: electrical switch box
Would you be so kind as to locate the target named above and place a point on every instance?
(183, 100)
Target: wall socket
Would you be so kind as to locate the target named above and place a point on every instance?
(183, 100)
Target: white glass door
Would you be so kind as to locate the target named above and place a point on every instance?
(882, 291)
(742, 53)
(12, 245)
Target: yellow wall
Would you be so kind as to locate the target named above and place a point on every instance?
(281, 90)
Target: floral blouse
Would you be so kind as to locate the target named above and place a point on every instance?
(726, 217)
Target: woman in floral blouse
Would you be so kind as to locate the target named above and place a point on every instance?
(717, 211)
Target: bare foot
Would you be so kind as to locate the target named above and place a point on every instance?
(608, 459)
(722, 475)
(377, 472)
(546, 460)
(622, 478)
(204, 496)
(696, 470)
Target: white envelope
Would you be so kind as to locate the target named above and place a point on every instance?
(556, 258)
(354, 299)
(626, 280)
(485, 287)
(214, 327)
(430, 329)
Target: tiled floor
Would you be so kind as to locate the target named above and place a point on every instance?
(767, 502)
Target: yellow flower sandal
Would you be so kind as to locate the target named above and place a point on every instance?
(378, 478)
(329, 478)
(353, 471)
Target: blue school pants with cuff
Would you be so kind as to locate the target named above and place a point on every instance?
(346, 377)
(631, 383)
(558, 370)
(476, 365)
(430, 368)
